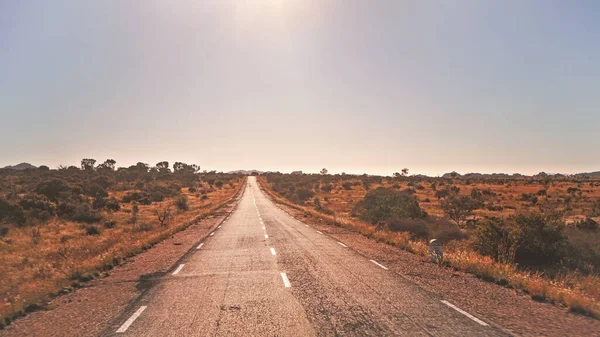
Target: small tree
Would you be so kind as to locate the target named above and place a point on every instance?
(163, 215)
(459, 207)
(324, 171)
(87, 164)
(134, 212)
(109, 165)
(163, 167)
(404, 172)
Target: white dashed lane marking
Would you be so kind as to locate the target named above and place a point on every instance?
(341, 244)
(131, 319)
(319, 232)
(213, 233)
(465, 313)
(200, 245)
(379, 264)
(178, 269)
(266, 236)
(286, 281)
(273, 251)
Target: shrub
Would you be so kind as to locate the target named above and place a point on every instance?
(182, 203)
(327, 188)
(110, 224)
(491, 207)
(65, 209)
(143, 227)
(52, 189)
(382, 204)
(84, 213)
(4, 231)
(99, 202)
(92, 230)
(140, 197)
(542, 237)
(11, 213)
(219, 184)
(530, 240)
(588, 225)
(112, 205)
(347, 185)
(416, 227)
(158, 196)
(304, 194)
(410, 190)
(37, 204)
(95, 190)
(192, 190)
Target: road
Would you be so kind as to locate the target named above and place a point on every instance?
(264, 273)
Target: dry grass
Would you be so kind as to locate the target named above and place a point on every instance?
(576, 292)
(41, 262)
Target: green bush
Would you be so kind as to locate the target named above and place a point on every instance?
(4, 231)
(112, 205)
(11, 213)
(532, 240)
(304, 194)
(92, 230)
(182, 203)
(417, 228)
(53, 189)
(382, 204)
(84, 213)
(110, 224)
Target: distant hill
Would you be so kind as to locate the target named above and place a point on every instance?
(22, 166)
(246, 172)
(589, 175)
(541, 175)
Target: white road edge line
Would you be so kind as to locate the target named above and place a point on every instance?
(178, 269)
(200, 245)
(319, 232)
(131, 319)
(464, 313)
(341, 244)
(211, 234)
(307, 225)
(263, 227)
(266, 236)
(286, 281)
(379, 264)
(219, 226)
(273, 251)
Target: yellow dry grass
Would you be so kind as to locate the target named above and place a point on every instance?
(38, 263)
(576, 292)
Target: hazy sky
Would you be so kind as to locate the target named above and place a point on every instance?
(355, 86)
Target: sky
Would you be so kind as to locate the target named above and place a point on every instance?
(353, 86)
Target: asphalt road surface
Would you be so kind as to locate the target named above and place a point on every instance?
(264, 273)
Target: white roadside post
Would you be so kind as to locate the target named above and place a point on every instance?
(436, 251)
